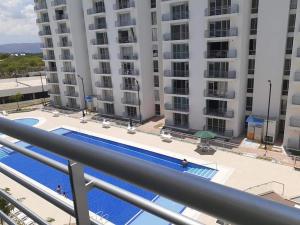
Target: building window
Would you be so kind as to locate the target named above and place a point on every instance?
(254, 6)
(181, 120)
(283, 106)
(292, 20)
(249, 101)
(287, 67)
(109, 108)
(251, 66)
(155, 50)
(154, 34)
(285, 87)
(180, 69)
(156, 81)
(157, 109)
(250, 85)
(153, 4)
(153, 18)
(216, 125)
(180, 51)
(180, 32)
(289, 45)
(253, 26)
(156, 95)
(293, 4)
(180, 11)
(155, 66)
(131, 111)
(252, 47)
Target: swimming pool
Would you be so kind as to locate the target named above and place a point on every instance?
(26, 121)
(117, 211)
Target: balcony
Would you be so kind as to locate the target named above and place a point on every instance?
(124, 5)
(221, 33)
(70, 81)
(189, 186)
(60, 17)
(219, 94)
(128, 101)
(71, 94)
(48, 57)
(97, 26)
(95, 10)
(100, 84)
(125, 40)
(40, 6)
(127, 87)
(129, 116)
(234, 8)
(177, 108)
(53, 92)
(99, 42)
(66, 57)
(42, 20)
(64, 44)
(58, 2)
(52, 80)
(297, 76)
(176, 55)
(176, 91)
(177, 16)
(68, 69)
(105, 98)
(218, 113)
(44, 32)
(296, 100)
(134, 72)
(46, 45)
(133, 56)
(51, 69)
(176, 73)
(295, 122)
(100, 56)
(129, 22)
(62, 31)
(220, 74)
(176, 36)
(101, 71)
(211, 54)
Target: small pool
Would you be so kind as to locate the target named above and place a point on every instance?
(27, 121)
(117, 211)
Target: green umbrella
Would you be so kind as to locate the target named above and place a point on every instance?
(205, 134)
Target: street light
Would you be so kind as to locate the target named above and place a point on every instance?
(268, 115)
(84, 108)
(138, 89)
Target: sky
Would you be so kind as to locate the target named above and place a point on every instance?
(17, 22)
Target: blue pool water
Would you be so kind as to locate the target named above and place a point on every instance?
(118, 211)
(27, 121)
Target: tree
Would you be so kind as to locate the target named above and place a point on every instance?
(17, 98)
(5, 206)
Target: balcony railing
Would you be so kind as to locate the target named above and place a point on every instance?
(133, 56)
(134, 72)
(100, 84)
(128, 101)
(220, 200)
(95, 10)
(176, 73)
(42, 20)
(99, 42)
(221, 33)
(234, 8)
(297, 76)
(64, 44)
(178, 108)
(45, 45)
(218, 113)
(124, 40)
(68, 69)
(176, 36)
(58, 2)
(53, 92)
(128, 87)
(52, 80)
(220, 74)
(101, 71)
(219, 94)
(176, 91)
(100, 56)
(66, 57)
(44, 32)
(231, 53)
(129, 22)
(295, 122)
(97, 26)
(124, 5)
(176, 55)
(70, 81)
(177, 16)
(106, 98)
(296, 100)
(130, 116)
(51, 69)
(62, 31)
(71, 94)
(61, 17)
(49, 57)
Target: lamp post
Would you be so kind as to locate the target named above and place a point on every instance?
(268, 115)
(138, 89)
(84, 108)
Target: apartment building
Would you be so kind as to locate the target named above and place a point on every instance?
(202, 64)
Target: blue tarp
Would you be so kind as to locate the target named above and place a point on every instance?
(255, 121)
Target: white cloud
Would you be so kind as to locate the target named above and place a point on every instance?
(17, 21)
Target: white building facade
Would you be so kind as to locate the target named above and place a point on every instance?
(203, 64)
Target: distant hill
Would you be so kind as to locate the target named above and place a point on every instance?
(21, 48)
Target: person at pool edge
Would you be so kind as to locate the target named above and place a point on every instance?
(58, 189)
(184, 163)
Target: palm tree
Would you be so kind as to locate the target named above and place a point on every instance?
(5, 206)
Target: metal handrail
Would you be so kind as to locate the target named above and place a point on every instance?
(220, 201)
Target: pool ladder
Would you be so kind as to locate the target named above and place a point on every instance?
(102, 217)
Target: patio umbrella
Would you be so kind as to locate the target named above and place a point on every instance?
(205, 134)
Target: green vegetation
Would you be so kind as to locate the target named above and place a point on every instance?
(19, 64)
(16, 98)
(5, 206)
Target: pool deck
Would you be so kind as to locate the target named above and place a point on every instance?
(237, 171)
